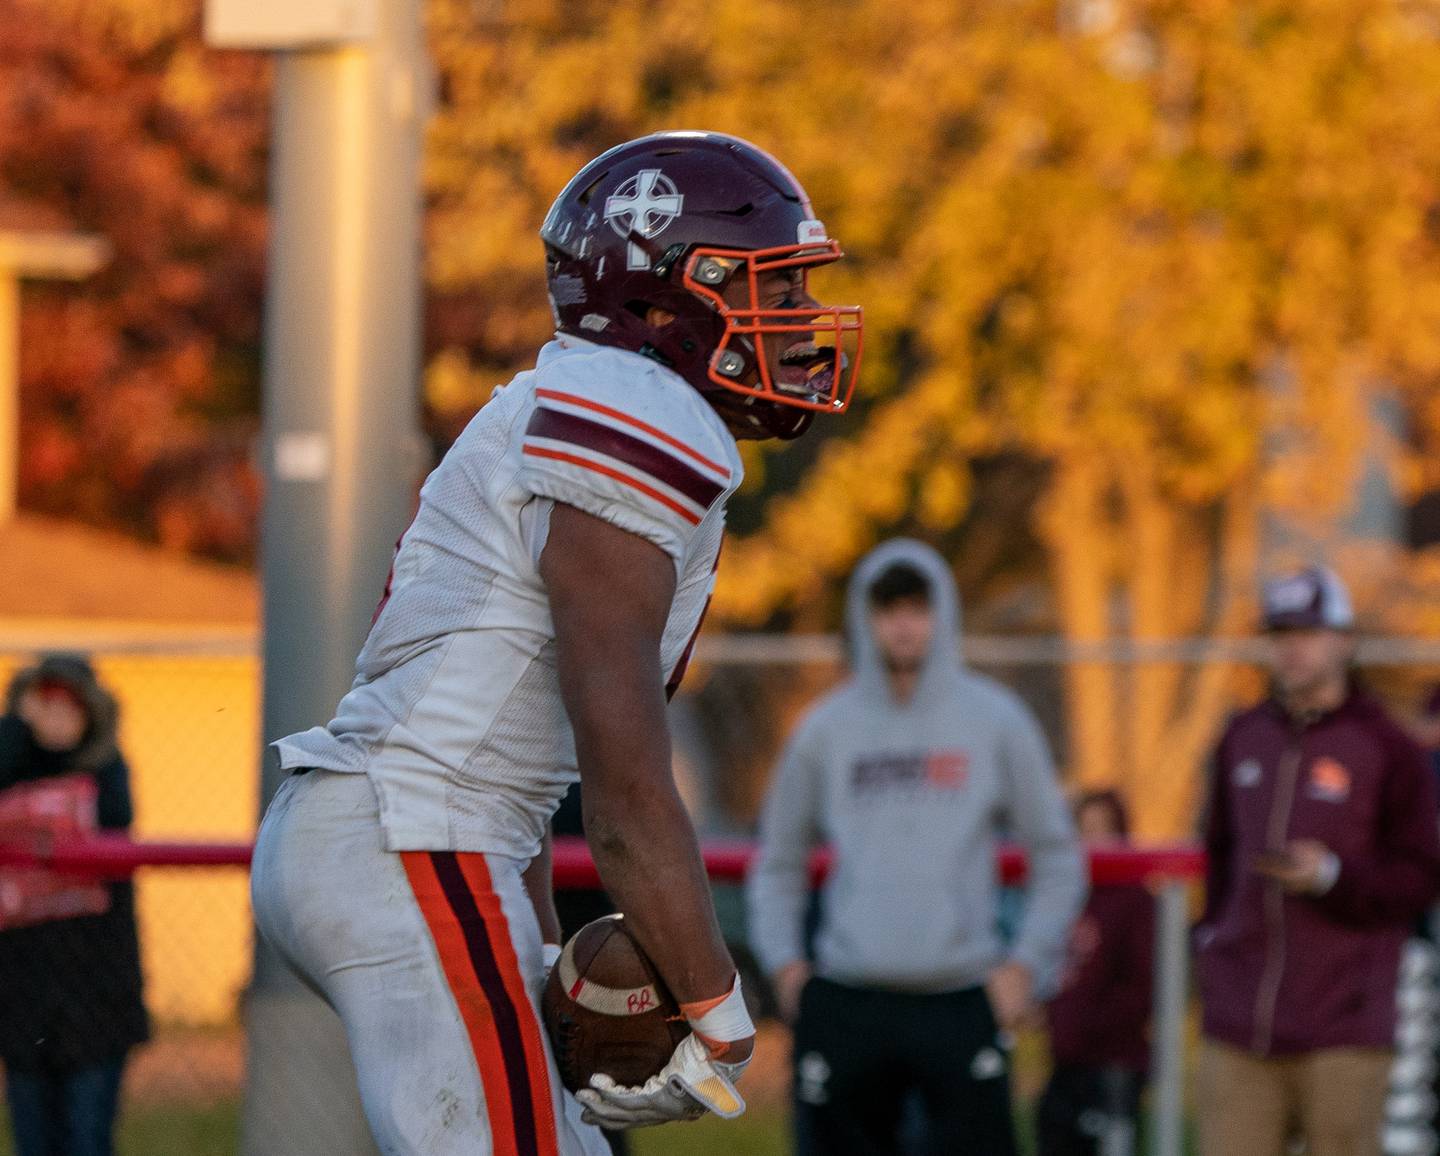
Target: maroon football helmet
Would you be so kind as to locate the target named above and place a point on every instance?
(670, 222)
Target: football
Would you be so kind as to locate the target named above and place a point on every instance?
(607, 1010)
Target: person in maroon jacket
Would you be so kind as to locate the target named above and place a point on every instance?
(1098, 1023)
(1323, 849)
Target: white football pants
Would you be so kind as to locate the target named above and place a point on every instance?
(433, 961)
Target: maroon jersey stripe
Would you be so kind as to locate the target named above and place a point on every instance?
(641, 455)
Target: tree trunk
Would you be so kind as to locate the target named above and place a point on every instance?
(1158, 607)
(1168, 801)
(1073, 523)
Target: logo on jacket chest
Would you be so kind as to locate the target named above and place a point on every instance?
(1328, 781)
(1247, 773)
(936, 770)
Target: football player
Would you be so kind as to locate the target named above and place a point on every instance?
(542, 605)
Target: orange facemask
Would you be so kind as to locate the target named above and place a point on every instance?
(823, 382)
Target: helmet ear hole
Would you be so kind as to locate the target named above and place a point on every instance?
(655, 316)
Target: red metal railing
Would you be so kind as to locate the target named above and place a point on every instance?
(115, 856)
(1168, 866)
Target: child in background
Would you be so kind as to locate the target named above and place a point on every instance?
(1099, 1021)
(70, 989)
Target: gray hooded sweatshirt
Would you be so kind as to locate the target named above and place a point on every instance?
(911, 798)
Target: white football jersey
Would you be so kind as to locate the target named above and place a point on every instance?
(455, 712)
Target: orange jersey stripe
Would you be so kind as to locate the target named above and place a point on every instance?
(633, 483)
(477, 874)
(620, 415)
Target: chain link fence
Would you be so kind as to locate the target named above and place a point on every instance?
(190, 731)
(745, 692)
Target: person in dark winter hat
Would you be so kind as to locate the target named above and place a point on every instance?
(1322, 852)
(71, 1006)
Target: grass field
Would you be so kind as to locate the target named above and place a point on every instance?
(214, 1131)
(754, 1134)
(169, 1130)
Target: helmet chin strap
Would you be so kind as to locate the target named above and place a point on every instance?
(757, 418)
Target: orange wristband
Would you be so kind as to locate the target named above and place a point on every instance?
(721, 1021)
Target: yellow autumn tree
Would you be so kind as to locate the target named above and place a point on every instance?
(1095, 234)
(1117, 240)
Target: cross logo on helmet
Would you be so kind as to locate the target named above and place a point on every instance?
(644, 204)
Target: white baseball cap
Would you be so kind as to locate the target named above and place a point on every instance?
(1313, 599)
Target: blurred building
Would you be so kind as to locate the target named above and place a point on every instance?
(176, 641)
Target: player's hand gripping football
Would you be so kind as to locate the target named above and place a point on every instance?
(699, 1078)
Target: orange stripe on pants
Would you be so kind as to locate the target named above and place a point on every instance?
(477, 873)
(472, 937)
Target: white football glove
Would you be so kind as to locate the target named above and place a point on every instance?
(690, 1085)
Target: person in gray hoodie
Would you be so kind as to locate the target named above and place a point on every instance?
(910, 771)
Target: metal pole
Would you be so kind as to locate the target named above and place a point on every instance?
(9, 391)
(340, 457)
(1172, 961)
